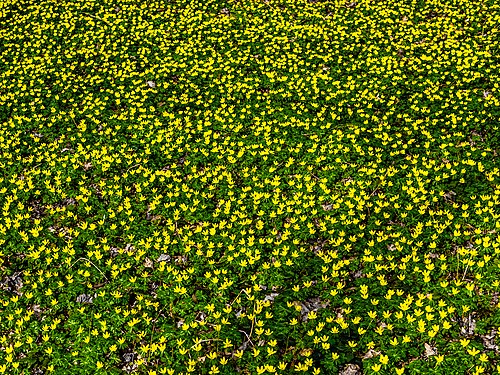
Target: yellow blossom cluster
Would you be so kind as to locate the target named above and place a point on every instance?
(259, 186)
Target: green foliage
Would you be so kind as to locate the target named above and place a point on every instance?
(249, 187)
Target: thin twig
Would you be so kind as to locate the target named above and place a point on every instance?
(376, 187)
(253, 320)
(463, 277)
(136, 165)
(88, 260)
(152, 330)
(96, 17)
(242, 290)
(246, 334)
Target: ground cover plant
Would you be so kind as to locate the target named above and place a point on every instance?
(249, 187)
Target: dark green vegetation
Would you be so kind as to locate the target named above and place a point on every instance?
(249, 187)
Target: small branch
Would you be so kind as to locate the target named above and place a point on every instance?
(88, 260)
(376, 187)
(136, 165)
(242, 290)
(253, 321)
(97, 18)
(246, 334)
(463, 277)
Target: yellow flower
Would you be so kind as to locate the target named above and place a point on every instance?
(212, 355)
(464, 342)
(473, 352)
(376, 367)
(312, 315)
(270, 351)
(484, 357)
(384, 359)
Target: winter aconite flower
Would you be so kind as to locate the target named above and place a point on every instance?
(257, 186)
